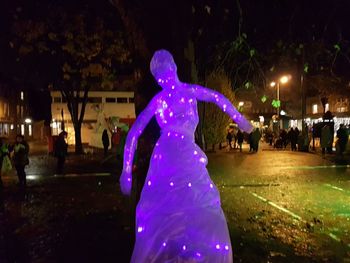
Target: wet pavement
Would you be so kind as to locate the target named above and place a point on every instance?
(284, 206)
(281, 206)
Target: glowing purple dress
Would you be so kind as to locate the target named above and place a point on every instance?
(179, 216)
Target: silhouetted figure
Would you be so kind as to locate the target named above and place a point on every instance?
(250, 140)
(343, 137)
(234, 138)
(1, 159)
(255, 138)
(105, 141)
(229, 138)
(20, 159)
(284, 138)
(293, 137)
(121, 145)
(326, 139)
(240, 138)
(5, 162)
(61, 148)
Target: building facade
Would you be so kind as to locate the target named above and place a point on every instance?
(338, 105)
(14, 116)
(102, 109)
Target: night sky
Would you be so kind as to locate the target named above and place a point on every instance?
(169, 24)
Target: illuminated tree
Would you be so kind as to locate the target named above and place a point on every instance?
(215, 121)
(80, 53)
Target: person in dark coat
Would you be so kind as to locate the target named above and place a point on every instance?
(343, 137)
(250, 140)
(255, 139)
(20, 159)
(326, 138)
(240, 137)
(229, 138)
(2, 155)
(105, 141)
(284, 138)
(61, 149)
(293, 137)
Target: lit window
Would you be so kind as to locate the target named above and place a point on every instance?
(314, 109)
(342, 109)
(326, 107)
(30, 130)
(22, 95)
(22, 129)
(6, 129)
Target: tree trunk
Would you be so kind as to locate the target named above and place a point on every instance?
(78, 143)
(324, 101)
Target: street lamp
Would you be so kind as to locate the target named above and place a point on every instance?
(282, 80)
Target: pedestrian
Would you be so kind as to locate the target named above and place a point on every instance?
(269, 137)
(2, 154)
(105, 141)
(5, 162)
(20, 159)
(255, 138)
(293, 136)
(343, 137)
(122, 141)
(326, 138)
(284, 138)
(250, 140)
(234, 137)
(240, 137)
(61, 148)
(229, 138)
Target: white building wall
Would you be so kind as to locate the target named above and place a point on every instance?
(122, 107)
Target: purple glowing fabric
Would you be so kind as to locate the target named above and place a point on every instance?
(179, 216)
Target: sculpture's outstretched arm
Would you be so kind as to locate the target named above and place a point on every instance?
(224, 104)
(131, 144)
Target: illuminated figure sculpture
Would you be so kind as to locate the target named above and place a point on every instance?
(179, 216)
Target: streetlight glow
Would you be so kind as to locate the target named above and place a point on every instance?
(272, 84)
(240, 104)
(27, 120)
(284, 79)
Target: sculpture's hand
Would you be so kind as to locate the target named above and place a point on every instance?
(125, 182)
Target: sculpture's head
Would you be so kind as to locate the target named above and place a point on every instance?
(163, 68)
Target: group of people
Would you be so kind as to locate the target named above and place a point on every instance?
(120, 142)
(291, 136)
(235, 137)
(17, 155)
(18, 152)
(285, 137)
(326, 139)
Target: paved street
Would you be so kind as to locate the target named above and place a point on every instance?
(281, 206)
(284, 206)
